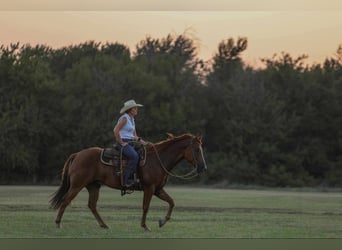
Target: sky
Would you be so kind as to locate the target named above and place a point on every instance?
(311, 27)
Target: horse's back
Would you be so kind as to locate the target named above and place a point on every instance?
(88, 155)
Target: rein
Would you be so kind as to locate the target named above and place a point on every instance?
(192, 174)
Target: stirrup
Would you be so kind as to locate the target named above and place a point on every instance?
(126, 191)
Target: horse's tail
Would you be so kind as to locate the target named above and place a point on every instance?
(58, 196)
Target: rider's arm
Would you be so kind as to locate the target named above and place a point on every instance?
(117, 129)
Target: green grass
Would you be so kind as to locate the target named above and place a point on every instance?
(199, 213)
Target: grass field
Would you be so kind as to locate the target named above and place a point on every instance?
(199, 213)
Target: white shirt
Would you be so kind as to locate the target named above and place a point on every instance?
(127, 131)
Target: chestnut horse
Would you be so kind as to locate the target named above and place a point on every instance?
(84, 169)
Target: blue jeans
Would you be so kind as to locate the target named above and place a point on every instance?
(132, 161)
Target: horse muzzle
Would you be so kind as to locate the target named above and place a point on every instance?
(201, 167)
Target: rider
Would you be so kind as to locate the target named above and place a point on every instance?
(125, 132)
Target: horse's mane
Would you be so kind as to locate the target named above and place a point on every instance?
(171, 139)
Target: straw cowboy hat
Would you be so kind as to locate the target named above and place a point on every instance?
(128, 105)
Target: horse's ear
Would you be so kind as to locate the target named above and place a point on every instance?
(199, 138)
(170, 136)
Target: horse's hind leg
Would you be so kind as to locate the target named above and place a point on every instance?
(165, 197)
(69, 196)
(94, 190)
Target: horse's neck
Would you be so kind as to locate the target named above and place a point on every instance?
(171, 154)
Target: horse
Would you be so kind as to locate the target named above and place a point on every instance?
(85, 169)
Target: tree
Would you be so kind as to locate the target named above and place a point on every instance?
(27, 90)
(173, 63)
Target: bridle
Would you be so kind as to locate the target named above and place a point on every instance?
(190, 175)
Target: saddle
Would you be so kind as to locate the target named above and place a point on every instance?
(114, 157)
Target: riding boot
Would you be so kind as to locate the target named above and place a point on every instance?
(136, 179)
(129, 181)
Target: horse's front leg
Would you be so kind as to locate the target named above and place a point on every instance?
(165, 197)
(148, 192)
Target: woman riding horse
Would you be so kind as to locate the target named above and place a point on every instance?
(125, 132)
(84, 169)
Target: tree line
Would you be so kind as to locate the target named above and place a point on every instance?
(279, 125)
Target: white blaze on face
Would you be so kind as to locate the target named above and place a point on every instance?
(202, 156)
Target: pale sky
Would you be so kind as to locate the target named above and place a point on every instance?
(312, 27)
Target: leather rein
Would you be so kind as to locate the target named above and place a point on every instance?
(190, 175)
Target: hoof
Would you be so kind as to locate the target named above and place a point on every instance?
(147, 230)
(104, 226)
(162, 222)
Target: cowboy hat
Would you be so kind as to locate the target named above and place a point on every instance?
(128, 105)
